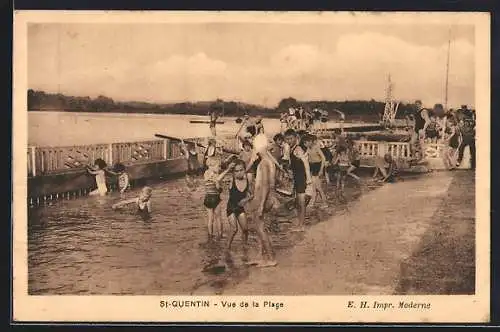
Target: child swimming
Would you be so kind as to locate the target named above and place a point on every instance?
(100, 177)
(143, 202)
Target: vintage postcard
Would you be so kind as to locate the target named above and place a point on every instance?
(251, 167)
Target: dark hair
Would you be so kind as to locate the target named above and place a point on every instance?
(290, 132)
(247, 143)
(252, 130)
(308, 138)
(100, 163)
(239, 162)
(119, 167)
(278, 137)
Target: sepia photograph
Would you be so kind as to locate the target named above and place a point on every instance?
(200, 158)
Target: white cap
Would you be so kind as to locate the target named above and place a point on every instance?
(260, 143)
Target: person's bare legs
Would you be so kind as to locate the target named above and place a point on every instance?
(349, 172)
(268, 258)
(233, 229)
(218, 221)
(301, 212)
(210, 223)
(315, 190)
(319, 188)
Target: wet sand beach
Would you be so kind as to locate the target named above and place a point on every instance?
(410, 237)
(356, 247)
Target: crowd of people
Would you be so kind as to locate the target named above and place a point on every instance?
(454, 128)
(288, 171)
(298, 118)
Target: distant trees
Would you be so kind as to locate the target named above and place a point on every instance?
(354, 109)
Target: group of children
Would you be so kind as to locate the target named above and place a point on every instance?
(99, 171)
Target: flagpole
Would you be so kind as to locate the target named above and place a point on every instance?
(447, 72)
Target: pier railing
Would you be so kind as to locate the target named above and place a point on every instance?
(61, 159)
(51, 160)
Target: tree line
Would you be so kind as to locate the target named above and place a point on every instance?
(371, 110)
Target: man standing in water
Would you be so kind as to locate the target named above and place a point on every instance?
(213, 121)
(299, 164)
(265, 199)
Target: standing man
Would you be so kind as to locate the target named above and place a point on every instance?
(299, 163)
(213, 121)
(422, 121)
(467, 127)
(265, 199)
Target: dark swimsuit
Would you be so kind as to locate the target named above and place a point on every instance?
(144, 212)
(235, 197)
(299, 172)
(192, 163)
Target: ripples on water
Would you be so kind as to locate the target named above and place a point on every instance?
(82, 246)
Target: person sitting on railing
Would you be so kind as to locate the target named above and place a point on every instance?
(387, 167)
(292, 118)
(143, 203)
(283, 121)
(100, 177)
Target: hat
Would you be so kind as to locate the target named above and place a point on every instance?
(260, 143)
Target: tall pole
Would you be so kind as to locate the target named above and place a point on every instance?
(447, 72)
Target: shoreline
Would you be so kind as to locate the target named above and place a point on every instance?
(358, 253)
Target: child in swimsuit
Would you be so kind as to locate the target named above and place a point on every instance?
(246, 157)
(143, 203)
(355, 159)
(212, 199)
(387, 167)
(317, 163)
(100, 177)
(123, 177)
(191, 155)
(342, 161)
(239, 194)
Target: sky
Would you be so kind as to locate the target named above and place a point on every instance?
(258, 63)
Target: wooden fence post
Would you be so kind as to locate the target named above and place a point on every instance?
(33, 161)
(381, 149)
(110, 154)
(165, 155)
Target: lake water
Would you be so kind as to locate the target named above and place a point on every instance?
(82, 246)
(64, 128)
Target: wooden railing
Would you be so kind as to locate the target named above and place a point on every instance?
(50, 160)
